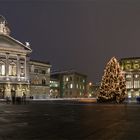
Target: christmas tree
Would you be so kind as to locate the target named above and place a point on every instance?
(112, 86)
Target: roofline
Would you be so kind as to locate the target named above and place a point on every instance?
(17, 42)
(39, 61)
(68, 72)
(129, 58)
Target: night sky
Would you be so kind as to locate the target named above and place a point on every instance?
(76, 34)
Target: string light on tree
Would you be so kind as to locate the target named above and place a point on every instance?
(113, 86)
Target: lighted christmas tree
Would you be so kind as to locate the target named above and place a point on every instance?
(113, 86)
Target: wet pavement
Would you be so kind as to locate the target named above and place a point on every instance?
(69, 121)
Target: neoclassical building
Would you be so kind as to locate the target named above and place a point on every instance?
(15, 77)
(131, 68)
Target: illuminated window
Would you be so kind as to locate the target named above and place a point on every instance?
(71, 85)
(22, 70)
(137, 84)
(67, 79)
(136, 75)
(137, 93)
(2, 68)
(129, 94)
(83, 87)
(128, 75)
(129, 84)
(77, 86)
(12, 69)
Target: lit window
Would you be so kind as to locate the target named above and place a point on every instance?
(71, 85)
(136, 75)
(12, 69)
(22, 70)
(137, 84)
(128, 75)
(77, 86)
(83, 87)
(129, 95)
(137, 93)
(67, 79)
(2, 68)
(129, 84)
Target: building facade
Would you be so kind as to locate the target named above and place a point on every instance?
(92, 90)
(54, 88)
(39, 79)
(72, 84)
(131, 68)
(15, 78)
(14, 63)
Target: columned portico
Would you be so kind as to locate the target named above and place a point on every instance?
(13, 64)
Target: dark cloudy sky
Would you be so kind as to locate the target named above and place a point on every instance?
(76, 34)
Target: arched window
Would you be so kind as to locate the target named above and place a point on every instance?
(2, 68)
(12, 69)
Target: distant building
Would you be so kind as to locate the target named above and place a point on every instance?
(39, 79)
(54, 88)
(131, 68)
(92, 90)
(72, 84)
(15, 78)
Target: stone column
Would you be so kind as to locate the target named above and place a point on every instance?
(7, 90)
(25, 68)
(18, 67)
(7, 66)
(19, 90)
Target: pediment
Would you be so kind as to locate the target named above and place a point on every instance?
(8, 42)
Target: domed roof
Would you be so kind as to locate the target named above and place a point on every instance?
(2, 19)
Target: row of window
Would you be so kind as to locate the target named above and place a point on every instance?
(12, 69)
(38, 82)
(70, 78)
(39, 70)
(135, 84)
(72, 86)
(128, 76)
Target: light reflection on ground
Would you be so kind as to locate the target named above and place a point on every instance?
(69, 121)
